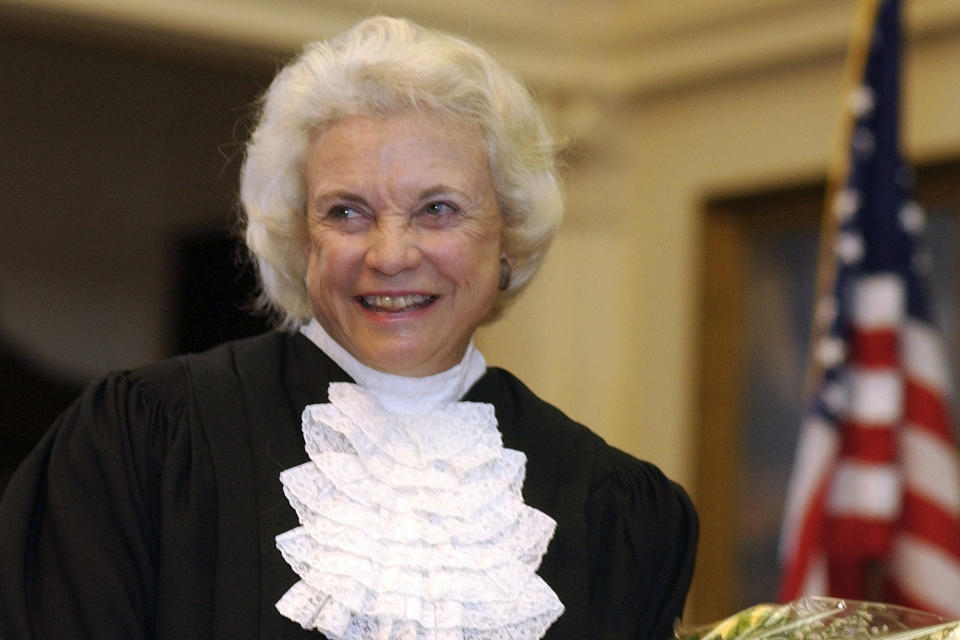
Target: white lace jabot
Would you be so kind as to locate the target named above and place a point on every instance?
(412, 524)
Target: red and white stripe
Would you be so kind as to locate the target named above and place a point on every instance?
(880, 490)
(925, 563)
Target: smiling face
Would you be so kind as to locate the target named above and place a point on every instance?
(404, 239)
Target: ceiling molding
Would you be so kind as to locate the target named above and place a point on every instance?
(612, 49)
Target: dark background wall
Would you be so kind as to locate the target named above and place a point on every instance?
(118, 187)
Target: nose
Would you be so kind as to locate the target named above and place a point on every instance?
(393, 249)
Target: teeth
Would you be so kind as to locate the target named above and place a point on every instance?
(394, 303)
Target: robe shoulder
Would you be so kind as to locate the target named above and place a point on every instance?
(82, 519)
(623, 554)
(108, 524)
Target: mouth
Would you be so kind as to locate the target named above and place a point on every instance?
(396, 304)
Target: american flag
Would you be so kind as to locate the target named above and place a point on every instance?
(873, 509)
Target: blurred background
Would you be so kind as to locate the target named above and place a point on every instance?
(672, 313)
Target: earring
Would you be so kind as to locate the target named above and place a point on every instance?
(505, 272)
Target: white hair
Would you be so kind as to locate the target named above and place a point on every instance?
(379, 67)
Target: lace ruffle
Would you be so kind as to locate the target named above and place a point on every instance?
(413, 527)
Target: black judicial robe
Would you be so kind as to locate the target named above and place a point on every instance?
(149, 510)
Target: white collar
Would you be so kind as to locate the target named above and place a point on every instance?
(402, 394)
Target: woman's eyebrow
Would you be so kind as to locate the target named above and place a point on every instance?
(440, 189)
(341, 196)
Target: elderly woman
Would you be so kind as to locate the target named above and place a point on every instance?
(362, 474)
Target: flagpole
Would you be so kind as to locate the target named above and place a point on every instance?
(839, 166)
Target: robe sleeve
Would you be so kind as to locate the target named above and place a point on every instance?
(643, 535)
(82, 519)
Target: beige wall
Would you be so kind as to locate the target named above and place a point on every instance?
(671, 102)
(609, 332)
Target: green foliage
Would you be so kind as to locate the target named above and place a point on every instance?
(827, 619)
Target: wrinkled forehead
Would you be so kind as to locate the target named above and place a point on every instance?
(464, 139)
(409, 133)
(406, 147)
(457, 128)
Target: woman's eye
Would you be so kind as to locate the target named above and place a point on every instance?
(439, 208)
(343, 213)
